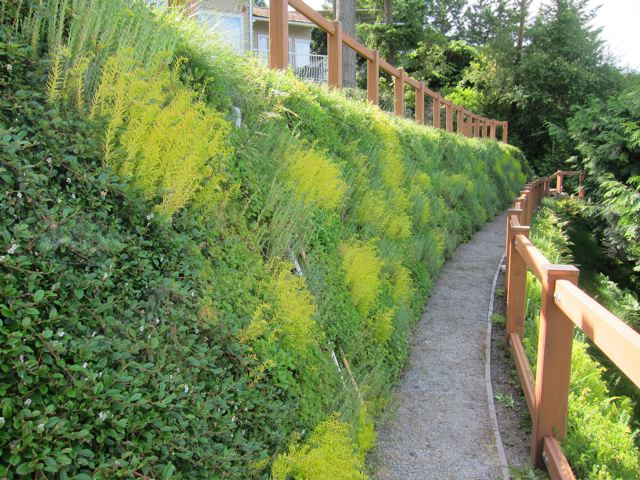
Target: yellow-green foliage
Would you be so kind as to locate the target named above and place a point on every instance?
(329, 453)
(366, 433)
(362, 267)
(295, 307)
(401, 284)
(315, 178)
(158, 132)
(385, 212)
(381, 325)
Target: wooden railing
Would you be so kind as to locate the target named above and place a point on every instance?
(467, 123)
(563, 305)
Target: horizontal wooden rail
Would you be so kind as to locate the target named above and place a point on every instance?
(563, 305)
(616, 339)
(524, 371)
(470, 124)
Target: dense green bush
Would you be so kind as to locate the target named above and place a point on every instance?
(230, 333)
(600, 441)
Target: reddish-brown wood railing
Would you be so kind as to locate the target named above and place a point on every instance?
(468, 123)
(563, 305)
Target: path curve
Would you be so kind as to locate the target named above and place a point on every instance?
(439, 425)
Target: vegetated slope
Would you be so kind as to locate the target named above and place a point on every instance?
(192, 290)
(600, 441)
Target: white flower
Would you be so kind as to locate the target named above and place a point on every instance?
(197, 331)
(1, 258)
(48, 160)
(142, 328)
(73, 196)
(9, 67)
(61, 333)
(40, 427)
(102, 416)
(12, 249)
(186, 388)
(19, 194)
(68, 180)
(1, 420)
(84, 365)
(59, 200)
(105, 275)
(150, 216)
(27, 402)
(157, 321)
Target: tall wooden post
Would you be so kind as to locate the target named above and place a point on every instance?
(581, 185)
(559, 183)
(485, 128)
(516, 284)
(460, 126)
(334, 52)
(449, 115)
(278, 34)
(420, 104)
(492, 130)
(373, 79)
(505, 129)
(398, 94)
(436, 112)
(553, 368)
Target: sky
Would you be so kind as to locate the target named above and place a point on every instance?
(619, 20)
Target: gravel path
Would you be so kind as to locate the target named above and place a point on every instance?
(439, 426)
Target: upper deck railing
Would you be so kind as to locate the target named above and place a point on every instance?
(466, 122)
(563, 305)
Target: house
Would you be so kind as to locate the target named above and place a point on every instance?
(246, 29)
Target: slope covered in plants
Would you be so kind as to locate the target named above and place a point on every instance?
(209, 270)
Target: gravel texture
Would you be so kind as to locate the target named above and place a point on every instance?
(439, 426)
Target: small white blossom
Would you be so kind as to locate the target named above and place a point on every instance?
(1, 420)
(48, 160)
(12, 249)
(142, 328)
(68, 180)
(105, 275)
(102, 416)
(76, 151)
(1, 258)
(157, 321)
(9, 67)
(84, 365)
(27, 402)
(197, 331)
(19, 194)
(150, 216)
(61, 333)
(186, 388)
(73, 196)
(40, 427)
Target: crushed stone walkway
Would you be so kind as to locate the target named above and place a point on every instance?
(439, 424)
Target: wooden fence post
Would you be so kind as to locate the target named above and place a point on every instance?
(492, 130)
(510, 212)
(505, 129)
(398, 94)
(436, 112)
(553, 367)
(279, 35)
(559, 183)
(485, 128)
(334, 52)
(449, 115)
(460, 121)
(516, 285)
(373, 79)
(581, 185)
(420, 104)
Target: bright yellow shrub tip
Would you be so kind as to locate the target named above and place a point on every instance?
(381, 325)
(295, 307)
(401, 283)
(386, 215)
(362, 267)
(329, 453)
(158, 132)
(316, 179)
(366, 433)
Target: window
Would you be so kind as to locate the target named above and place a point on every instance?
(303, 53)
(227, 27)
